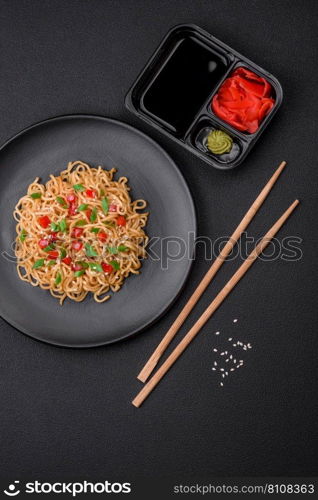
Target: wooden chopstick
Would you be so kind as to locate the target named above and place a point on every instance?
(146, 390)
(226, 250)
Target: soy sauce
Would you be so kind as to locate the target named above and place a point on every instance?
(183, 84)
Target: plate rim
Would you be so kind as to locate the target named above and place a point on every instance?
(142, 328)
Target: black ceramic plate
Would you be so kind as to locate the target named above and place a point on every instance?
(46, 148)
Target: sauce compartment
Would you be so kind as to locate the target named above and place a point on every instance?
(198, 138)
(275, 95)
(175, 84)
(182, 84)
(175, 89)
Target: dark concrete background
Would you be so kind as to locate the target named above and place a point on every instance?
(67, 413)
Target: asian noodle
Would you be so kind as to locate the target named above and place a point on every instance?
(79, 233)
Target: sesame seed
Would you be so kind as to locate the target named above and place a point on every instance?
(217, 333)
(234, 363)
(234, 320)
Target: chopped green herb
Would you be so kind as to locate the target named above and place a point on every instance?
(105, 205)
(90, 252)
(80, 222)
(58, 278)
(115, 265)
(62, 253)
(95, 230)
(102, 192)
(79, 187)
(95, 267)
(112, 250)
(122, 248)
(77, 274)
(63, 225)
(55, 227)
(83, 264)
(51, 263)
(49, 248)
(61, 201)
(115, 250)
(93, 216)
(83, 206)
(23, 235)
(36, 196)
(109, 223)
(38, 263)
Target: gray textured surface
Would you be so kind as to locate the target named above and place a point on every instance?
(67, 412)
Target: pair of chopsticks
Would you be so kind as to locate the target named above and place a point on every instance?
(154, 358)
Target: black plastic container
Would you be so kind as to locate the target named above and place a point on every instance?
(175, 89)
